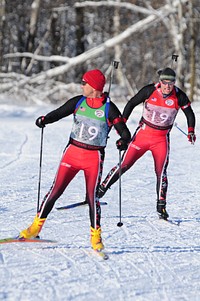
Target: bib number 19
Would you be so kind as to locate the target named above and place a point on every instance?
(92, 131)
(162, 116)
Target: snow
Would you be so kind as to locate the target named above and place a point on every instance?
(149, 259)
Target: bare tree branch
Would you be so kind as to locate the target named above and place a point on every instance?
(117, 4)
(52, 58)
(109, 44)
(155, 17)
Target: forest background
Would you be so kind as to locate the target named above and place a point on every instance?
(46, 46)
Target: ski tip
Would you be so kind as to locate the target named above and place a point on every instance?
(170, 221)
(25, 240)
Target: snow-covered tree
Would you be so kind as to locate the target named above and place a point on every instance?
(52, 44)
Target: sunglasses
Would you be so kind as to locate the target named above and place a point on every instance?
(83, 83)
(167, 83)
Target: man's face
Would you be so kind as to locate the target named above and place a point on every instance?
(87, 89)
(167, 86)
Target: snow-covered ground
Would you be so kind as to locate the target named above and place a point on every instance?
(149, 259)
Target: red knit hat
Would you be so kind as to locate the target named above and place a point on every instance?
(95, 79)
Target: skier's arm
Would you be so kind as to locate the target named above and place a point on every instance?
(185, 105)
(140, 97)
(190, 117)
(66, 109)
(116, 120)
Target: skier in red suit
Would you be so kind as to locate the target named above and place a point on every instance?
(94, 115)
(161, 102)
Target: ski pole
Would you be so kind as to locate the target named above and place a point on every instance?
(119, 224)
(114, 66)
(176, 125)
(40, 169)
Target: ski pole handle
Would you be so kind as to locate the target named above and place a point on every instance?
(174, 58)
(115, 65)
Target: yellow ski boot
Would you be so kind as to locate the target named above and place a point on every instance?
(34, 229)
(96, 240)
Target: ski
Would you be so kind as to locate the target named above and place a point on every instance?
(7, 240)
(170, 221)
(73, 205)
(25, 240)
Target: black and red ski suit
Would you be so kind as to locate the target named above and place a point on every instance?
(153, 132)
(84, 151)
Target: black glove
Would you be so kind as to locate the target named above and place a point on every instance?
(121, 144)
(40, 122)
